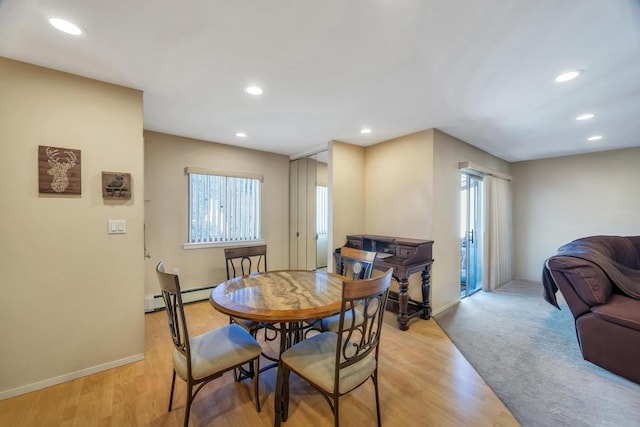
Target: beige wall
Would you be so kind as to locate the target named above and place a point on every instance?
(346, 192)
(561, 199)
(399, 187)
(412, 189)
(448, 153)
(166, 200)
(73, 295)
(399, 192)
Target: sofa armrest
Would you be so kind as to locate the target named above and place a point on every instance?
(582, 283)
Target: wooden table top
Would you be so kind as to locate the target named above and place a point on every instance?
(280, 296)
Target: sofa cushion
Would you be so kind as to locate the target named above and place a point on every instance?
(621, 310)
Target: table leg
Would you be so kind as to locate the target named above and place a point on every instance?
(426, 287)
(284, 337)
(403, 303)
(280, 409)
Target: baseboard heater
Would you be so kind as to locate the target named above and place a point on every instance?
(156, 303)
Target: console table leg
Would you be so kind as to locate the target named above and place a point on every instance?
(403, 304)
(426, 287)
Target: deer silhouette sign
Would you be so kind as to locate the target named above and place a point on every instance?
(59, 161)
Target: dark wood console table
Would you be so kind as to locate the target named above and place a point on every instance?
(405, 256)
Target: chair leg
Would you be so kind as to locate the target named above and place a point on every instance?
(336, 410)
(278, 398)
(285, 380)
(187, 409)
(374, 376)
(173, 384)
(256, 381)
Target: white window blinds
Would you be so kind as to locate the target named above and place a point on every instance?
(223, 208)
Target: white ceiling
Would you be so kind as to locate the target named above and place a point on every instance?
(480, 70)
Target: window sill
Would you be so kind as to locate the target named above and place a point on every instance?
(190, 246)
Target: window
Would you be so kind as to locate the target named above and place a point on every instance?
(223, 208)
(322, 210)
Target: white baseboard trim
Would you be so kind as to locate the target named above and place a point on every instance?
(527, 279)
(155, 302)
(441, 309)
(6, 394)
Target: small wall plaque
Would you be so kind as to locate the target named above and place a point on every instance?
(59, 170)
(116, 185)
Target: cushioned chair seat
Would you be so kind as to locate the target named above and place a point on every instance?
(217, 351)
(314, 358)
(249, 325)
(333, 322)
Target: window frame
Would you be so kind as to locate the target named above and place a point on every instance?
(222, 243)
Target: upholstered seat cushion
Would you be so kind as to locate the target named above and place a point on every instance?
(332, 323)
(216, 351)
(621, 310)
(314, 359)
(245, 323)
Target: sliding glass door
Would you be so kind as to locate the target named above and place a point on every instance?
(470, 234)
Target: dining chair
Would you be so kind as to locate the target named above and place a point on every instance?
(353, 263)
(335, 363)
(242, 261)
(245, 260)
(203, 358)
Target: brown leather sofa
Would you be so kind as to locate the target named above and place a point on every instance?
(599, 277)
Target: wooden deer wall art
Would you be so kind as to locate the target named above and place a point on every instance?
(59, 170)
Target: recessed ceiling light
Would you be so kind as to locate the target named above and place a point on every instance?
(585, 116)
(594, 138)
(365, 130)
(253, 90)
(65, 26)
(241, 135)
(569, 75)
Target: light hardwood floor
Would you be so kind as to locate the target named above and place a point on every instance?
(424, 381)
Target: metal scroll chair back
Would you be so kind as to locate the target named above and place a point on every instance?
(203, 358)
(359, 340)
(242, 261)
(170, 286)
(337, 363)
(355, 263)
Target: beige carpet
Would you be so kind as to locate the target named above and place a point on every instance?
(527, 352)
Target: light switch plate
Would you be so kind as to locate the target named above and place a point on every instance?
(117, 226)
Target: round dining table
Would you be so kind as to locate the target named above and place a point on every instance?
(284, 297)
(281, 299)
(280, 296)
